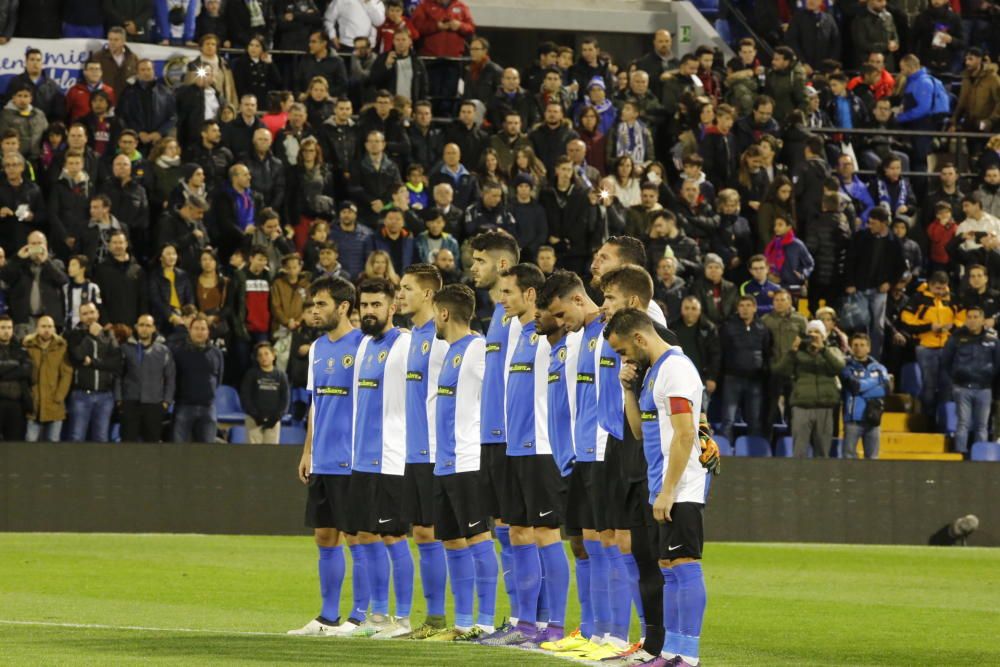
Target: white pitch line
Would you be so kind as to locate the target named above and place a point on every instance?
(141, 628)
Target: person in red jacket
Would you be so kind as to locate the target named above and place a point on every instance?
(394, 21)
(78, 97)
(445, 26)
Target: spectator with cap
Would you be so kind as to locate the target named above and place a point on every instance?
(813, 370)
(264, 396)
(97, 369)
(200, 367)
(148, 383)
(865, 385)
(51, 378)
(972, 362)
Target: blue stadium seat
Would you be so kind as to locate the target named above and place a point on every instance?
(783, 447)
(238, 435)
(227, 405)
(911, 381)
(752, 445)
(985, 451)
(725, 447)
(947, 418)
(292, 435)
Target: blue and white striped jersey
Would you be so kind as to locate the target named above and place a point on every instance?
(423, 363)
(331, 381)
(500, 340)
(590, 439)
(527, 395)
(610, 400)
(670, 385)
(562, 399)
(380, 419)
(459, 392)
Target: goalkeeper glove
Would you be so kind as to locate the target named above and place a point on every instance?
(710, 458)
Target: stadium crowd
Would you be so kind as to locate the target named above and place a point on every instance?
(158, 242)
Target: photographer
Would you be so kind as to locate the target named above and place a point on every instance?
(36, 280)
(264, 395)
(813, 369)
(97, 367)
(866, 383)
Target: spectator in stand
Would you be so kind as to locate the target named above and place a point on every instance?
(184, 228)
(699, 339)
(785, 82)
(35, 280)
(930, 317)
(971, 362)
(122, 282)
(199, 373)
(255, 73)
(395, 21)
(329, 262)
(445, 261)
(378, 265)
(211, 158)
(346, 21)
(198, 107)
(509, 98)
(490, 212)
(893, 192)
(827, 238)
(855, 189)
(266, 171)
(785, 325)
(147, 383)
(788, 259)
(465, 133)
(213, 294)
(434, 238)
(778, 201)
(695, 215)
(989, 190)
(264, 395)
(980, 295)
(399, 71)
(79, 290)
(47, 95)
(396, 241)
(865, 383)
(482, 76)
(234, 210)
(940, 232)
(237, 134)
(925, 101)
(118, 62)
(444, 26)
(252, 306)
(297, 22)
(295, 131)
(382, 117)
(668, 287)
(875, 30)
(28, 121)
(245, 19)
(373, 178)
(876, 148)
(97, 364)
(169, 290)
(15, 383)
(176, 21)
(718, 149)
(912, 253)
(69, 202)
(269, 237)
(426, 141)
(22, 207)
(127, 200)
(808, 180)
(288, 298)
(813, 35)
(759, 286)
(875, 263)
(147, 106)
(51, 377)
(883, 82)
(751, 127)
(716, 295)
(978, 106)
(658, 63)
(78, 97)
(938, 37)
(352, 240)
(570, 217)
(748, 346)
(454, 173)
(549, 139)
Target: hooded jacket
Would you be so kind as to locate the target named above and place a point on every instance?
(51, 377)
(148, 374)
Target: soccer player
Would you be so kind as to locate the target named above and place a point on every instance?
(532, 503)
(376, 491)
(663, 393)
(327, 455)
(423, 364)
(616, 252)
(493, 252)
(597, 391)
(459, 519)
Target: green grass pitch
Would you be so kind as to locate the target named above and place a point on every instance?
(68, 599)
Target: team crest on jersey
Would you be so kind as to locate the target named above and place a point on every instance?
(561, 354)
(533, 339)
(456, 360)
(426, 347)
(347, 361)
(592, 344)
(505, 320)
(382, 355)
(651, 381)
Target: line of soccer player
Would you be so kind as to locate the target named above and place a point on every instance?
(566, 416)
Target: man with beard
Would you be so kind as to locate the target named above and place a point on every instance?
(325, 466)
(616, 252)
(376, 491)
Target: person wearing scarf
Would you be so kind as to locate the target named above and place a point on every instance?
(598, 100)
(632, 137)
(788, 259)
(894, 192)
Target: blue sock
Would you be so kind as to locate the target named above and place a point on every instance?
(542, 613)
(378, 576)
(507, 562)
(671, 616)
(556, 581)
(484, 556)
(600, 577)
(633, 575)
(621, 593)
(461, 571)
(528, 573)
(433, 576)
(691, 599)
(402, 576)
(331, 579)
(359, 582)
(583, 594)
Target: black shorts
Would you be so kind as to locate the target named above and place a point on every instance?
(328, 501)
(684, 535)
(615, 487)
(457, 512)
(587, 500)
(492, 478)
(536, 492)
(377, 504)
(418, 493)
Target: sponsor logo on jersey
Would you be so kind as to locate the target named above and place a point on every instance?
(522, 368)
(493, 347)
(414, 376)
(608, 362)
(445, 391)
(333, 391)
(368, 384)
(586, 378)
(648, 416)
(554, 377)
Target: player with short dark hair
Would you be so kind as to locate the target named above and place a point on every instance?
(618, 251)
(325, 465)
(663, 394)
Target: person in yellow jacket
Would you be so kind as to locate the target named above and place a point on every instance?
(930, 316)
